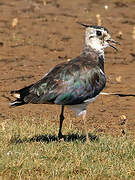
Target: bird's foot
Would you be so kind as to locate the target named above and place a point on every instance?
(61, 136)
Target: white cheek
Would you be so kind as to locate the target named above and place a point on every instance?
(96, 44)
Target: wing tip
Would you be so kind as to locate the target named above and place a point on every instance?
(16, 103)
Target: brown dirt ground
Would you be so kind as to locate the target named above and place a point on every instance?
(47, 34)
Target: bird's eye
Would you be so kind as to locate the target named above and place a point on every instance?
(99, 33)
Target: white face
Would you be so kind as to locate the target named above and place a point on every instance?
(97, 38)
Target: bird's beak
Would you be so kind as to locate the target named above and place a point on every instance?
(113, 41)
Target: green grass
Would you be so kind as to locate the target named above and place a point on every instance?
(29, 149)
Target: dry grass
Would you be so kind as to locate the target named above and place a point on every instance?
(28, 151)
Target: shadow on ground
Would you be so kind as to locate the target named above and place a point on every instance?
(50, 138)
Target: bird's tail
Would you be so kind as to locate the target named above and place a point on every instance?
(20, 95)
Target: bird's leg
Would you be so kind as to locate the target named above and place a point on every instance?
(61, 122)
(86, 131)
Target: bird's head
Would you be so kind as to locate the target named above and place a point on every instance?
(98, 38)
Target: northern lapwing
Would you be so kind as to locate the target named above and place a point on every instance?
(74, 83)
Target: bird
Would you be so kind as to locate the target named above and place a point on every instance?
(74, 83)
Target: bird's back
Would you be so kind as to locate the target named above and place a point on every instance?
(70, 83)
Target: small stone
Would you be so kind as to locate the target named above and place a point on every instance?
(106, 7)
(120, 34)
(14, 22)
(123, 117)
(133, 33)
(118, 79)
(98, 19)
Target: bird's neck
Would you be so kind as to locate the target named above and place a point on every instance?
(87, 49)
(98, 57)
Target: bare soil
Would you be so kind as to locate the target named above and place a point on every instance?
(47, 34)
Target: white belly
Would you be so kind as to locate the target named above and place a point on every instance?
(80, 109)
